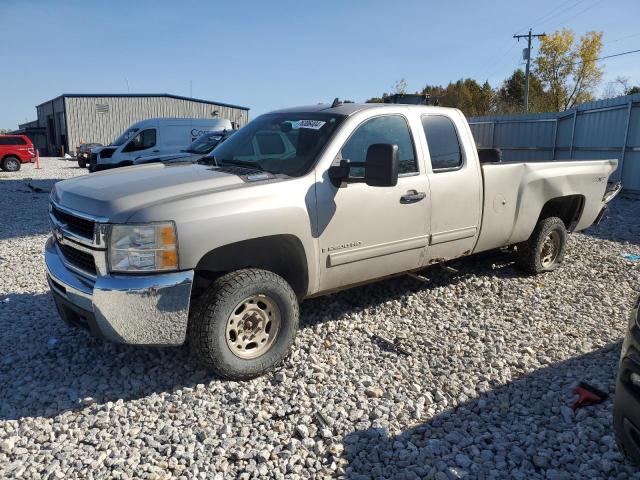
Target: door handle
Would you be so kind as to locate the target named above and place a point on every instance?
(412, 196)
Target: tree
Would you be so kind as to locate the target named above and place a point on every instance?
(633, 90)
(616, 88)
(510, 96)
(568, 69)
(400, 86)
(466, 94)
(376, 99)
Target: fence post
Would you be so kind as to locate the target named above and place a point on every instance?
(493, 134)
(573, 133)
(555, 139)
(626, 136)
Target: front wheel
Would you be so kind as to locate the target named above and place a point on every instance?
(82, 162)
(244, 324)
(544, 251)
(10, 164)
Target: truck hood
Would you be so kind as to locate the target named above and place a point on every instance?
(114, 195)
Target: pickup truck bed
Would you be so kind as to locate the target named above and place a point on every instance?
(515, 194)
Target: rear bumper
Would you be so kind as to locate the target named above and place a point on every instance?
(140, 310)
(626, 408)
(601, 215)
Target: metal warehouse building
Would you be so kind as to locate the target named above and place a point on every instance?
(71, 119)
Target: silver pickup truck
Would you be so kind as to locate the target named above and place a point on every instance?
(300, 202)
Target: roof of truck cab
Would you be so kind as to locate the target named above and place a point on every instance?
(351, 108)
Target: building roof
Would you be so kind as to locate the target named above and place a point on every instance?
(138, 95)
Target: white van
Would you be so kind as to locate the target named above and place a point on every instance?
(156, 136)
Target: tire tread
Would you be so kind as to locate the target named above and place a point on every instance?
(527, 259)
(203, 311)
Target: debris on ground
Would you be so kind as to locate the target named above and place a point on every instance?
(34, 188)
(387, 344)
(488, 349)
(588, 395)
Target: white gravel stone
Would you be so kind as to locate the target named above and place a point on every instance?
(485, 393)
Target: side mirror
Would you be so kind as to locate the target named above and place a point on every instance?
(380, 168)
(381, 165)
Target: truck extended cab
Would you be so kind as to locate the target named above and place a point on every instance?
(221, 253)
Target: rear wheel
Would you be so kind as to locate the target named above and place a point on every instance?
(10, 164)
(245, 324)
(544, 251)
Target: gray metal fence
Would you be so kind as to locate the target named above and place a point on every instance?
(597, 130)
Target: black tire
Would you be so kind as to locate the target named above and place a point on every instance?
(210, 313)
(533, 256)
(82, 162)
(11, 164)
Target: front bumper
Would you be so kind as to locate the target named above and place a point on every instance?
(132, 309)
(626, 407)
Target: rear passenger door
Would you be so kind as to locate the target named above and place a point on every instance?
(456, 185)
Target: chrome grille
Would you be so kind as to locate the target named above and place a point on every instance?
(77, 225)
(79, 259)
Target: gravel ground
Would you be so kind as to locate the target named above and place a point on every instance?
(485, 392)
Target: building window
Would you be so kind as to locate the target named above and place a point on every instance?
(102, 108)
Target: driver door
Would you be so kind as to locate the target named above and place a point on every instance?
(370, 232)
(142, 144)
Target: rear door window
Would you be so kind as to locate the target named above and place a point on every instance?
(12, 141)
(443, 143)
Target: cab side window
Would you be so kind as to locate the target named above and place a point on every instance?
(143, 140)
(391, 129)
(442, 139)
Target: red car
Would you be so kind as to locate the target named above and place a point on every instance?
(14, 151)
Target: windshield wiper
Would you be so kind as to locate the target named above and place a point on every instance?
(208, 160)
(242, 163)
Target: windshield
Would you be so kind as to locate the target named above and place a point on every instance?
(124, 137)
(205, 143)
(285, 143)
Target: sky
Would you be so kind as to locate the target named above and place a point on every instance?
(272, 54)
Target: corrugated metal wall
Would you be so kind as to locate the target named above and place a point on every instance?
(84, 123)
(55, 137)
(597, 130)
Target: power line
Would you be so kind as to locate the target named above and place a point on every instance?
(605, 57)
(622, 38)
(576, 14)
(552, 13)
(497, 63)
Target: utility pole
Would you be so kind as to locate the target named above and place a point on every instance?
(528, 36)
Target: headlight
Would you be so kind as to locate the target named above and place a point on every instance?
(149, 247)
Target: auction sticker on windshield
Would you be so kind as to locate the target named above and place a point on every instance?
(313, 124)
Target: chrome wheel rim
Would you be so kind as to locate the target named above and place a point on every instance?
(253, 327)
(550, 249)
